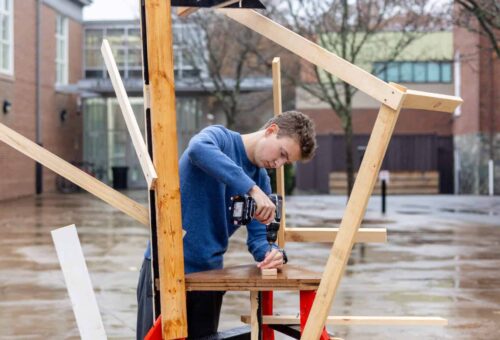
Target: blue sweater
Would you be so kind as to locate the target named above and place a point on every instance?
(213, 168)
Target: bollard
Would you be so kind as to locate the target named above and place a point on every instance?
(383, 187)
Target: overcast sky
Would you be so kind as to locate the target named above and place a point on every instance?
(111, 10)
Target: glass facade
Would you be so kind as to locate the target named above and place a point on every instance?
(107, 142)
(414, 71)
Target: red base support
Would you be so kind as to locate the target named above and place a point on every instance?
(306, 302)
(155, 331)
(267, 309)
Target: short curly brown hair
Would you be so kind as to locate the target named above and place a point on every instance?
(298, 126)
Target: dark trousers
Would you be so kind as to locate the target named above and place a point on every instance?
(203, 308)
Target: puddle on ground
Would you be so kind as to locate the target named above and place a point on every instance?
(469, 211)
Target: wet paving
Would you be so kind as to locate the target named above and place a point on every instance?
(442, 258)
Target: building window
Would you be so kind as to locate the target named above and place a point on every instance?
(6, 37)
(125, 42)
(189, 41)
(61, 50)
(414, 71)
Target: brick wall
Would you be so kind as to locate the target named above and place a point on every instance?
(17, 176)
(409, 122)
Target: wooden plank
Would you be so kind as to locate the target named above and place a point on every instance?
(128, 114)
(73, 174)
(185, 11)
(165, 155)
(364, 235)
(280, 172)
(353, 215)
(249, 278)
(395, 175)
(245, 274)
(269, 272)
(395, 184)
(317, 55)
(76, 276)
(254, 321)
(377, 191)
(356, 320)
(251, 288)
(431, 101)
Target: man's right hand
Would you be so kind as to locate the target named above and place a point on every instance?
(265, 207)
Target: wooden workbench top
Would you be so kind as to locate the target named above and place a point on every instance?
(249, 278)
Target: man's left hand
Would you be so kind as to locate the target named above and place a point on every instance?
(273, 259)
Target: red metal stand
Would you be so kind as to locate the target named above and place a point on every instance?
(267, 309)
(155, 331)
(306, 302)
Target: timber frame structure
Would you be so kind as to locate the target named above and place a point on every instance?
(159, 162)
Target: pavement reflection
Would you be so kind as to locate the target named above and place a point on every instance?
(441, 259)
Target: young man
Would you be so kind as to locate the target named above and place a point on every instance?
(218, 164)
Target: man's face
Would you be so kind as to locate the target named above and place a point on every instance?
(272, 152)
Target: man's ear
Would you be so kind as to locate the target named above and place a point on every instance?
(272, 129)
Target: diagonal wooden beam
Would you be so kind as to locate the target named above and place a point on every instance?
(353, 215)
(317, 55)
(356, 320)
(73, 174)
(185, 11)
(128, 114)
(431, 101)
(364, 235)
(280, 172)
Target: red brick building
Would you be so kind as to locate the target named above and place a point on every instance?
(476, 127)
(40, 59)
(422, 140)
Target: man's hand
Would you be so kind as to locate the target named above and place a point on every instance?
(265, 207)
(273, 259)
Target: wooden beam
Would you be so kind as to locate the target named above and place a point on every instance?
(353, 215)
(128, 114)
(73, 174)
(165, 155)
(356, 320)
(280, 172)
(317, 55)
(185, 11)
(431, 101)
(80, 291)
(364, 235)
(253, 319)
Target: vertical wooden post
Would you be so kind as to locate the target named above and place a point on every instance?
(353, 215)
(167, 193)
(254, 322)
(280, 172)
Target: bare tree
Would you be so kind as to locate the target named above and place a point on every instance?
(349, 29)
(224, 51)
(487, 14)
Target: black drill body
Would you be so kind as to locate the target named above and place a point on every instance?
(243, 209)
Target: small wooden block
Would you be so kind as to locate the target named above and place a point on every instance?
(269, 272)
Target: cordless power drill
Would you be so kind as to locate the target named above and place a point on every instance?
(243, 209)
